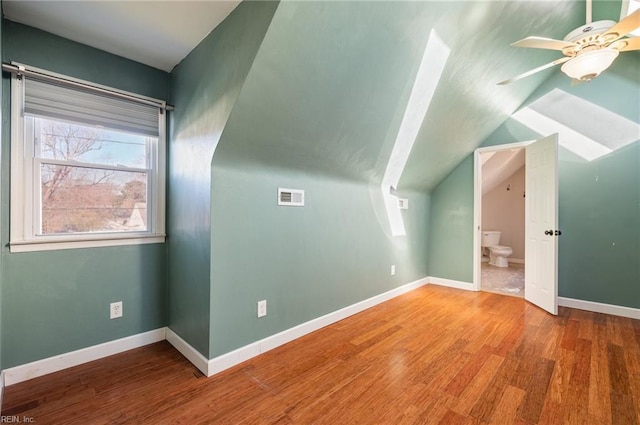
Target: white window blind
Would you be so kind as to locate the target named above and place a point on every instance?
(87, 164)
(47, 100)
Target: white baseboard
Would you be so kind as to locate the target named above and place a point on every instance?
(225, 361)
(451, 283)
(53, 364)
(616, 310)
(56, 363)
(42, 367)
(193, 355)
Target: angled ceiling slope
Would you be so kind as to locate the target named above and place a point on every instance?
(156, 33)
(338, 108)
(497, 166)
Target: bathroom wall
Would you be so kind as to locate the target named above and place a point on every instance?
(503, 210)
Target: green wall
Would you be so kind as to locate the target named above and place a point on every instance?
(323, 120)
(58, 301)
(307, 95)
(333, 109)
(305, 261)
(599, 201)
(451, 225)
(204, 88)
(257, 110)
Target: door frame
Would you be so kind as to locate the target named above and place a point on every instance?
(477, 203)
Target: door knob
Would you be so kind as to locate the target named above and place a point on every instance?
(548, 232)
(558, 232)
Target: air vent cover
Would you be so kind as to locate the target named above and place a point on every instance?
(291, 197)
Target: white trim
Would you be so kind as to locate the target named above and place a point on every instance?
(227, 360)
(159, 182)
(218, 364)
(19, 178)
(616, 310)
(477, 203)
(477, 219)
(505, 147)
(52, 245)
(42, 367)
(452, 283)
(516, 260)
(25, 197)
(191, 354)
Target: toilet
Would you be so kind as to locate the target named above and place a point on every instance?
(498, 254)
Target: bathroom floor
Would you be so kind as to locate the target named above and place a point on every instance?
(503, 280)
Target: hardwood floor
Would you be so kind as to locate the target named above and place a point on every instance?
(433, 356)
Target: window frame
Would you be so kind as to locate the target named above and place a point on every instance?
(25, 207)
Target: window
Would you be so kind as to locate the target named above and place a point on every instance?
(87, 167)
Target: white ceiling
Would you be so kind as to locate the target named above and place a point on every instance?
(157, 33)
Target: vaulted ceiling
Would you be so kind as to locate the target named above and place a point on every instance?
(395, 92)
(378, 91)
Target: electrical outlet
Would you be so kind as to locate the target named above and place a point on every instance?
(393, 270)
(262, 308)
(115, 310)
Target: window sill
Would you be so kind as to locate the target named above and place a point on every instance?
(84, 241)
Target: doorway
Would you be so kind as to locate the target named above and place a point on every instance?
(540, 196)
(502, 221)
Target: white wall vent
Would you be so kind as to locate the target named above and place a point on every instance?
(403, 203)
(291, 197)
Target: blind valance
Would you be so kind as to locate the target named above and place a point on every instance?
(51, 100)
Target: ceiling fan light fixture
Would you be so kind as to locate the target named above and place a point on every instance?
(588, 65)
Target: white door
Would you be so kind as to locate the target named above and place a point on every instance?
(541, 224)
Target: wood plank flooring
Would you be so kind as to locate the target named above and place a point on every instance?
(433, 356)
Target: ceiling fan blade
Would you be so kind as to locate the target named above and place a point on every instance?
(533, 71)
(542, 43)
(626, 44)
(622, 28)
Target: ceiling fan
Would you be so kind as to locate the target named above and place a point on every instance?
(588, 50)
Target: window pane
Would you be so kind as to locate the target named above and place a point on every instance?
(66, 141)
(76, 199)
